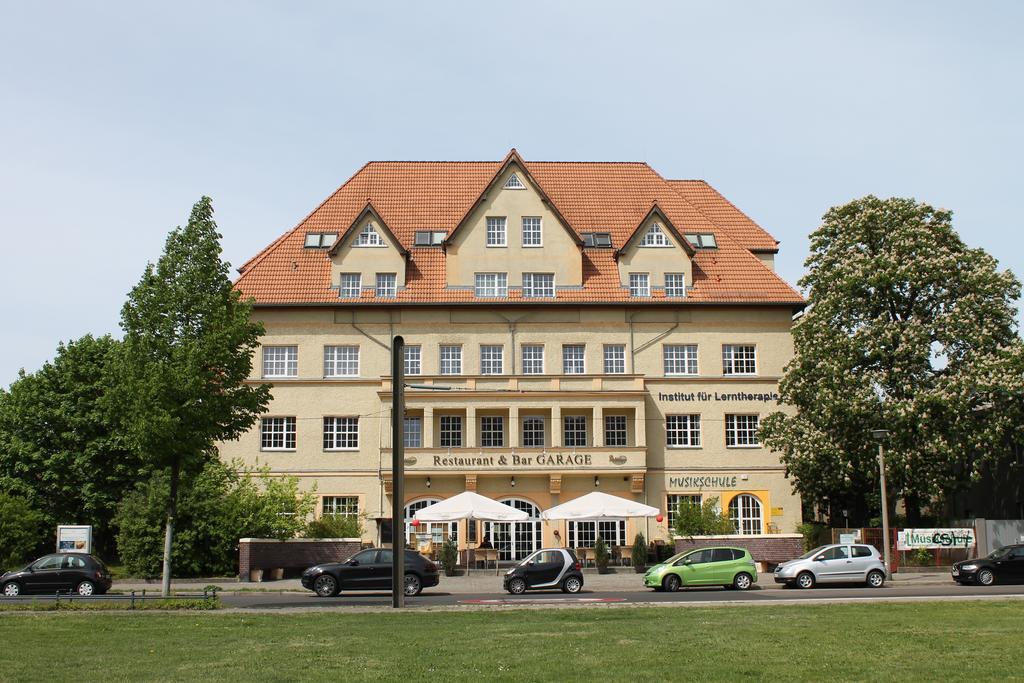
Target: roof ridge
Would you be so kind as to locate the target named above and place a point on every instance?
(724, 199)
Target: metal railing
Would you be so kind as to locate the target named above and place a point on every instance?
(131, 597)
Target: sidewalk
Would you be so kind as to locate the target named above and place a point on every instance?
(484, 581)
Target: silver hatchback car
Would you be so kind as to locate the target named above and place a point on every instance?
(839, 563)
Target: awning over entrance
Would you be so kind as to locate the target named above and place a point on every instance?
(596, 505)
(470, 505)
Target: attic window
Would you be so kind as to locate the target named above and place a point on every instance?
(597, 239)
(702, 240)
(320, 240)
(369, 238)
(655, 237)
(429, 238)
(514, 183)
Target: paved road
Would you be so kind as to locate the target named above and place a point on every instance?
(435, 597)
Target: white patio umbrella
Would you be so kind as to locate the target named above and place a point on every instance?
(470, 505)
(596, 505)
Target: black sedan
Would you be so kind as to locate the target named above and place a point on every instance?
(60, 572)
(1005, 565)
(370, 569)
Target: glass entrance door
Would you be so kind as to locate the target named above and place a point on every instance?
(515, 540)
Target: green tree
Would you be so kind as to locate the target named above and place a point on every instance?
(702, 520)
(906, 329)
(187, 352)
(59, 448)
(20, 526)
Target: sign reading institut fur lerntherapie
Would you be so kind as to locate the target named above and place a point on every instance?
(912, 539)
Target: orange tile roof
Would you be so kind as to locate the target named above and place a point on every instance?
(591, 196)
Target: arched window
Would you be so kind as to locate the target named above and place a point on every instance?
(446, 528)
(516, 540)
(745, 513)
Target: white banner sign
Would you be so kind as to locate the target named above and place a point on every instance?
(74, 539)
(911, 539)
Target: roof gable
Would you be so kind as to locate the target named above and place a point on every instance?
(351, 232)
(639, 232)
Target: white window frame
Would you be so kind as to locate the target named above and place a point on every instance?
(746, 511)
(519, 185)
(412, 434)
(347, 289)
(490, 285)
(533, 233)
(672, 501)
(450, 359)
(369, 237)
(492, 431)
(538, 285)
(574, 359)
(532, 359)
(387, 285)
(280, 361)
(655, 237)
(583, 533)
(274, 430)
(640, 284)
(340, 433)
(743, 435)
(619, 426)
(613, 360)
(413, 359)
(450, 429)
(492, 359)
(680, 360)
(341, 361)
(530, 432)
(675, 285)
(575, 430)
(497, 231)
(744, 355)
(682, 431)
(339, 506)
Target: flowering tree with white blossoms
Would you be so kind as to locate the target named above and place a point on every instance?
(906, 329)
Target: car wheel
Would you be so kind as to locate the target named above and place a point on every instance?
(12, 590)
(805, 580)
(326, 586)
(572, 585)
(516, 586)
(671, 583)
(986, 577)
(86, 588)
(413, 585)
(742, 581)
(876, 579)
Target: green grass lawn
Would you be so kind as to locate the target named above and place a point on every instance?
(916, 641)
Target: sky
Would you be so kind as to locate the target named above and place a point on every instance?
(116, 117)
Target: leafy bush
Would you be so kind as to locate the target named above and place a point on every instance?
(601, 554)
(639, 552)
(215, 508)
(815, 534)
(702, 520)
(449, 555)
(20, 530)
(922, 557)
(335, 526)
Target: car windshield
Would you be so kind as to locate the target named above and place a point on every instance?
(1001, 553)
(811, 553)
(678, 556)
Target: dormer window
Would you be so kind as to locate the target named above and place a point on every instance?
(429, 238)
(655, 237)
(597, 239)
(514, 183)
(702, 240)
(369, 237)
(320, 240)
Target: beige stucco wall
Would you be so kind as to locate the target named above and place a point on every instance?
(469, 254)
(368, 261)
(656, 261)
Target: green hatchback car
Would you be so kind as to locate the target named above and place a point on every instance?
(728, 567)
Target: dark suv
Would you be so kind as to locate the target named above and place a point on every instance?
(546, 568)
(370, 569)
(60, 572)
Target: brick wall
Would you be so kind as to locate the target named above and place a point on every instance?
(293, 554)
(769, 549)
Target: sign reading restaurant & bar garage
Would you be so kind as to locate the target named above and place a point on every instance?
(514, 460)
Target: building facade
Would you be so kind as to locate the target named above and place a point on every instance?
(579, 326)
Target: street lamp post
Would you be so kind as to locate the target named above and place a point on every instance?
(880, 435)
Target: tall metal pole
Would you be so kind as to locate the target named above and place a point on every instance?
(398, 472)
(885, 511)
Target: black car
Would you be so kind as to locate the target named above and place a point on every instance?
(369, 569)
(546, 568)
(1005, 565)
(60, 572)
